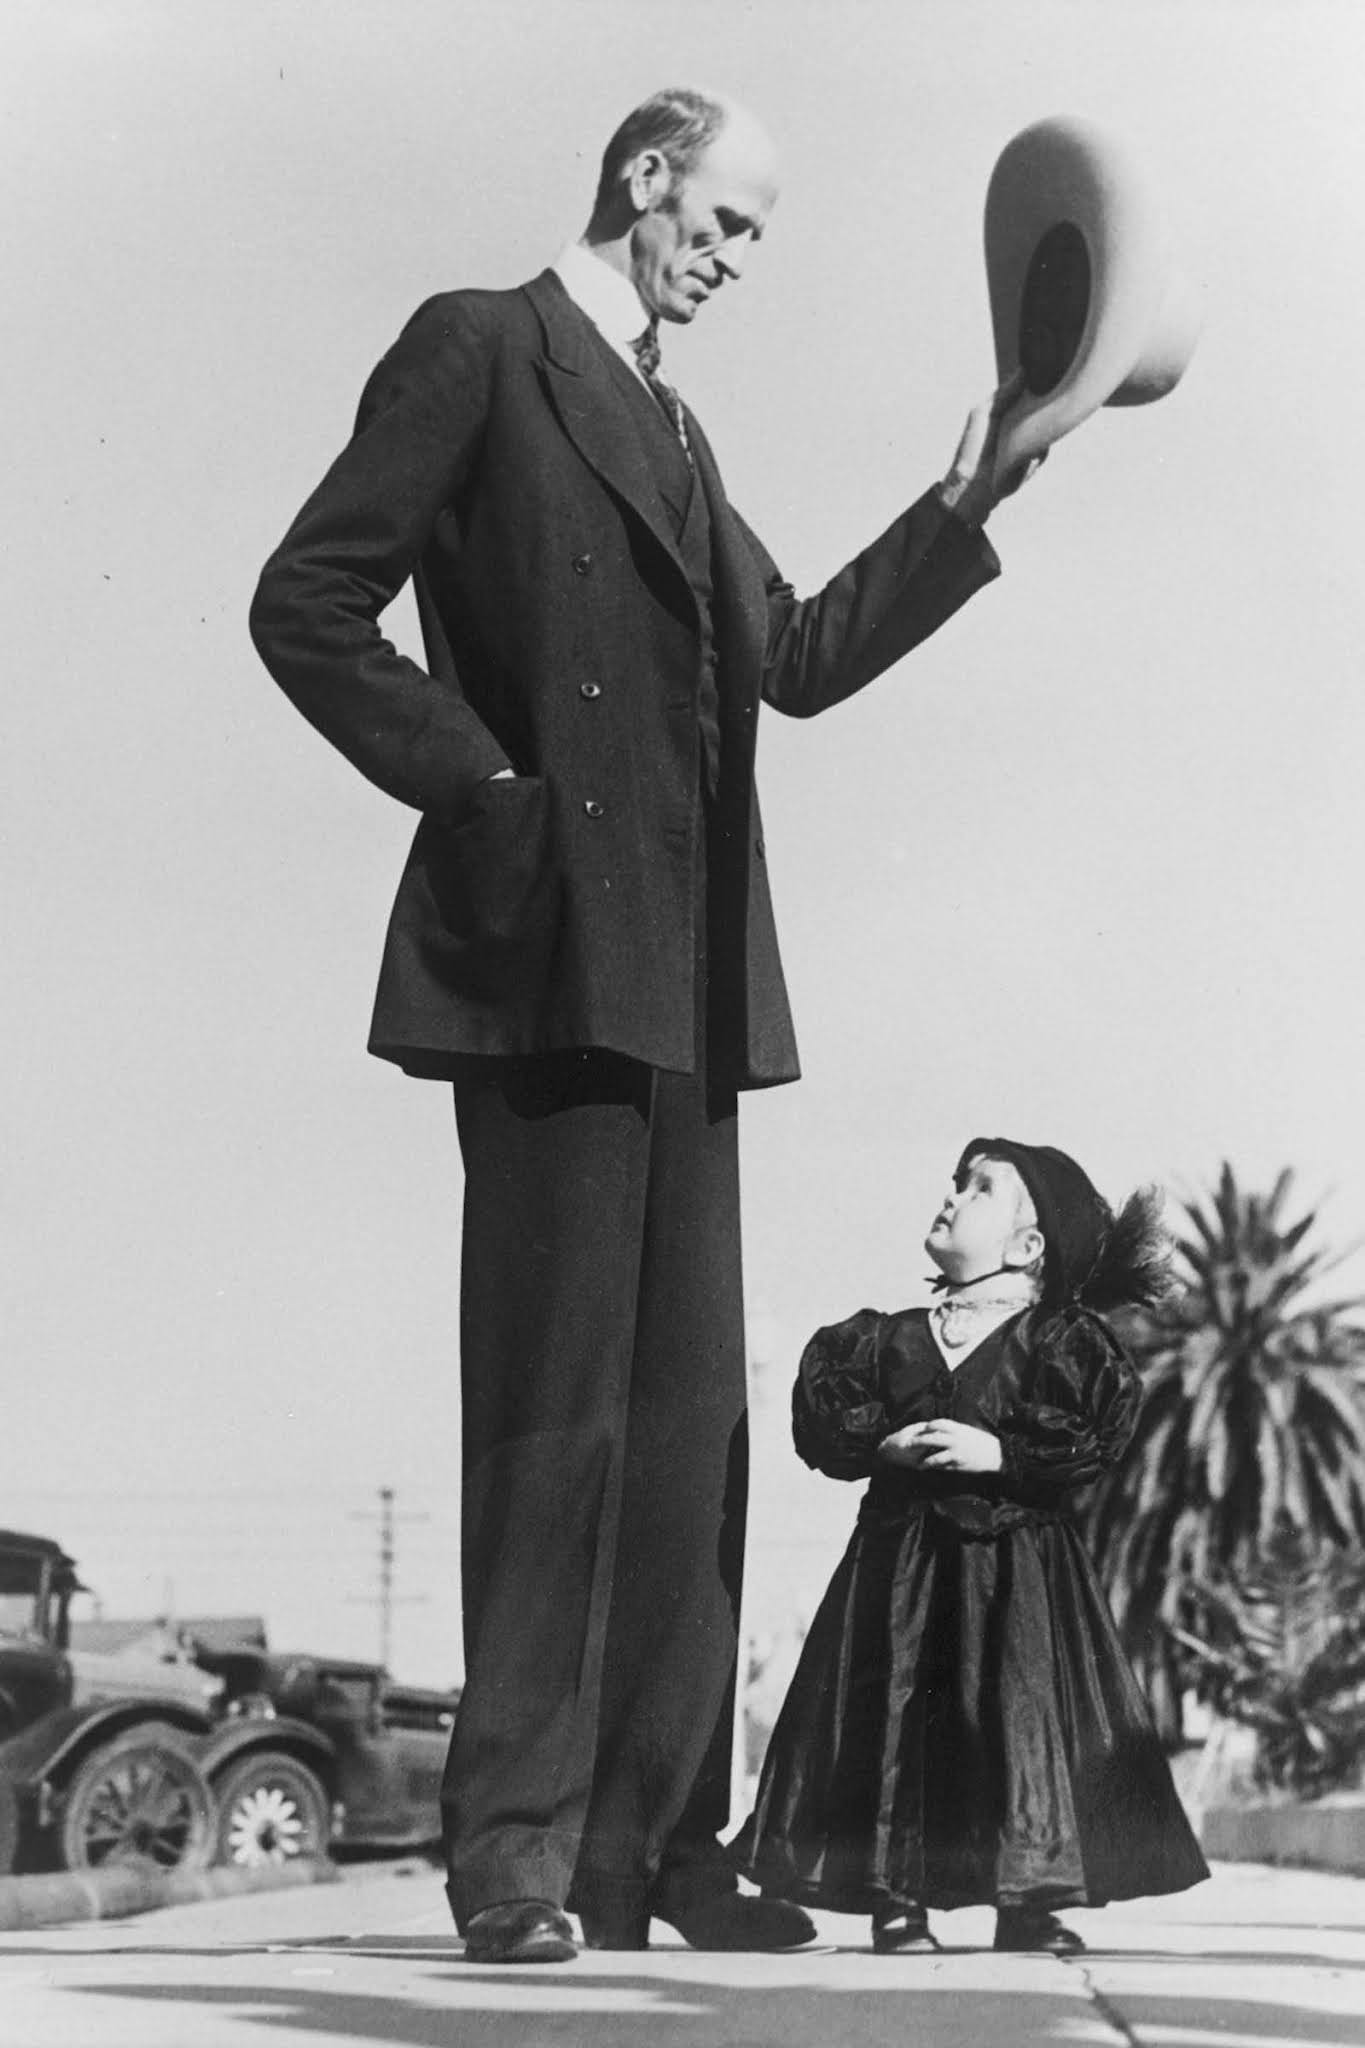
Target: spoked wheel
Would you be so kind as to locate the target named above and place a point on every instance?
(271, 1809)
(141, 1800)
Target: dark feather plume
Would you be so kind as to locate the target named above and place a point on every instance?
(1132, 1268)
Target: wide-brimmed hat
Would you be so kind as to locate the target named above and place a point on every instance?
(1084, 298)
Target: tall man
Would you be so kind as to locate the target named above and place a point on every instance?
(583, 944)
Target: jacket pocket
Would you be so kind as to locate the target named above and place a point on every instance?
(494, 889)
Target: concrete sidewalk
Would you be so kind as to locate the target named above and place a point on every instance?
(1255, 1959)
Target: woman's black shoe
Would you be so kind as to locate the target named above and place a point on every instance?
(902, 1929)
(1022, 1930)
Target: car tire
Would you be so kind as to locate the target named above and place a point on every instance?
(9, 1827)
(140, 1801)
(271, 1809)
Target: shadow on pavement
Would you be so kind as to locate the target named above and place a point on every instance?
(499, 2008)
(439, 1949)
(1169, 2020)
(619, 2012)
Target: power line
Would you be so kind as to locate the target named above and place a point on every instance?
(385, 1599)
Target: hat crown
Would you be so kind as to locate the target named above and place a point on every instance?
(1082, 294)
(1073, 1216)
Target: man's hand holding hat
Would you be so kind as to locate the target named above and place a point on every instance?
(971, 488)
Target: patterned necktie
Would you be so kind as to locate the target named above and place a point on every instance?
(647, 356)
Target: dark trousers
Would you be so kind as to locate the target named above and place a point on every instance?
(605, 1473)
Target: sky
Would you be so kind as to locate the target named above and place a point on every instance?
(1082, 870)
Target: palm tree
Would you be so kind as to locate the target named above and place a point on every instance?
(1281, 1650)
(1254, 1420)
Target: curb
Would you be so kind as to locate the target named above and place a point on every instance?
(70, 1895)
(1322, 1834)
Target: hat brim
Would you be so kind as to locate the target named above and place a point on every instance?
(1083, 298)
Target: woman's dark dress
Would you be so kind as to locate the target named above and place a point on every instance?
(963, 1727)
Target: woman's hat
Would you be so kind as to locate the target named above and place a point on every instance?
(1072, 1215)
(1093, 1258)
(1083, 298)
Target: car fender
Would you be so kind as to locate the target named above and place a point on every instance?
(229, 1743)
(50, 1747)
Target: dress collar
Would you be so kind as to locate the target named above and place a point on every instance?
(961, 1320)
(1011, 1290)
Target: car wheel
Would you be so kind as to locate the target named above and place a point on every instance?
(139, 1800)
(271, 1809)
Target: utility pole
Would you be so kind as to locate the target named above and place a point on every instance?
(386, 1599)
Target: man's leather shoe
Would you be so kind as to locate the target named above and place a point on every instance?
(734, 1920)
(724, 1920)
(616, 1929)
(1021, 1930)
(902, 1930)
(519, 1931)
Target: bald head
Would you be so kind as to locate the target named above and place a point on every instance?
(687, 183)
(680, 123)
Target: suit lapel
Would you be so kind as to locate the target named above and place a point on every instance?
(591, 412)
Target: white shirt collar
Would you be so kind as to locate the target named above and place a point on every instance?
(608, 298)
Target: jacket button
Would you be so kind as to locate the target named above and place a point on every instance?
(592, 807)
(581, 564)
(590, 690)
(760, 849)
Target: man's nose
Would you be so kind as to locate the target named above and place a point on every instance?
(732, 256)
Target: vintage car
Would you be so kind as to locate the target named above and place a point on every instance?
(239, 1755)
(318, 1750)
(87, 1777)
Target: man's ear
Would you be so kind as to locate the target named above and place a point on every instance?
(649, 180)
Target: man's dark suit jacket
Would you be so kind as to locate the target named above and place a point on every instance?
(494, 462)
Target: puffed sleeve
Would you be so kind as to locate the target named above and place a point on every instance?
(838, 1414)
(1083, 1421)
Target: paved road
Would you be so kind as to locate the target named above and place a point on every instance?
(1254, 1959)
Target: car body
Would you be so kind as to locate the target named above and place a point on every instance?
(233, 1752)
(100, 1676)
(86, 1781)
(375, 1749)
